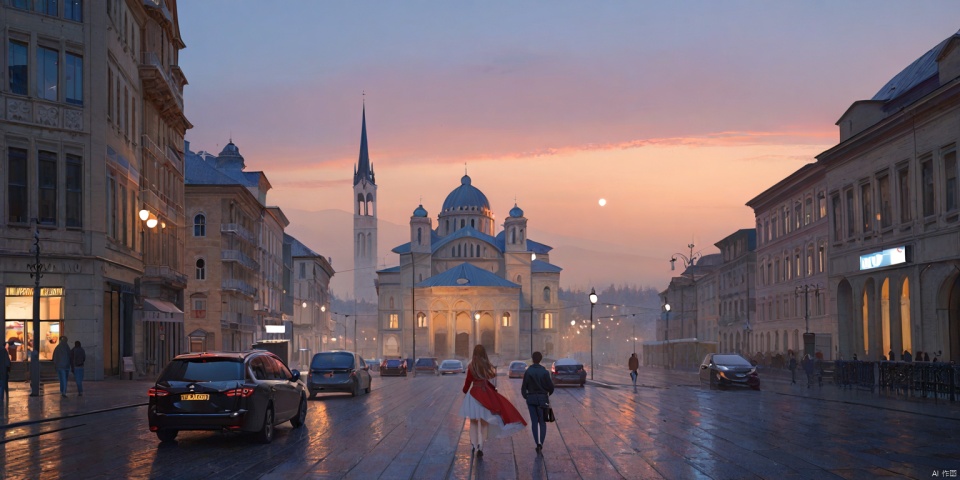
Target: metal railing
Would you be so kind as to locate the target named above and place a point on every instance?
(239, 286)
(238, 230)
(238, 256)
(922, 379)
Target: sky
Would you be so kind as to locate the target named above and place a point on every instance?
(675, 113)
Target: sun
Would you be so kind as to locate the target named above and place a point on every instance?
(603, 201)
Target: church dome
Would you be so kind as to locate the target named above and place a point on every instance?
(516, 212)
(466, 197)
(420, 212)
(230, 157)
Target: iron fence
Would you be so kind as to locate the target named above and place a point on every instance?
(922, 379)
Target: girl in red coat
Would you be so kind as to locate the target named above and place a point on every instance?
(487, 410)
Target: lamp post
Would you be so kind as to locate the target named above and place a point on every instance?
(688, 261)
(533, 256)
(36, 271)
(809, 339)
(666, 333)
(593, 301)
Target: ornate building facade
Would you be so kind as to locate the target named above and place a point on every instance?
(462, 283)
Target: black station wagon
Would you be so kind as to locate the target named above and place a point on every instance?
(245, 392)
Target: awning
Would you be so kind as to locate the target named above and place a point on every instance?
(157, 310)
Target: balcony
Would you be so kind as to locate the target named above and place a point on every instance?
(164, 274)
(239, 257)
(158, 84)
(241, 232)
(239, 286)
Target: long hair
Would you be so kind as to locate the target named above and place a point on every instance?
(480, 364)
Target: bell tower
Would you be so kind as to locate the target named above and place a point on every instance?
(364, 222)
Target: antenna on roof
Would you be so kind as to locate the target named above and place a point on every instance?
(464, 168)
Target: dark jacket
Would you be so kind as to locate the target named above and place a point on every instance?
(77, 357)
(61, 356)
(537, 386)
(634, 363)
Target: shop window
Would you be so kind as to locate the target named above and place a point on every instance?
(18, 324)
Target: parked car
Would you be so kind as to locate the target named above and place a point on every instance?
(394, 367)
(516, 369)
(338, 371)
(428, 365)
(728, 369)
(451, 366)
(374, 366)
(567, 371)
(249, 391)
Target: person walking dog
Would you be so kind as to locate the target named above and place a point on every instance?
(536, 390)
(633, 364)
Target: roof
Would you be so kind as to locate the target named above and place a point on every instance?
(539, 266)
(298, 249)
(198, 171)
(390, 270)
(916, 73)
(364, 171)
(465, 197)
(467, 275)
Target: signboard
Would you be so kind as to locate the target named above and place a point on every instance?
(884, 258)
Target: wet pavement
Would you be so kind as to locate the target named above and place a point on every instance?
(668, 427)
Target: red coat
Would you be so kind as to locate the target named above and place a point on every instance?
(485, 393)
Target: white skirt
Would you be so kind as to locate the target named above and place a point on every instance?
(472, 409)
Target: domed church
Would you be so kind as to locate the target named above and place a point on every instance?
(462, 283)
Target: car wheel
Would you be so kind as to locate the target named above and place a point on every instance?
(313, 395)
(301, 416)
(167, 435)
(369, 386)
(265, 435)
(356, 389)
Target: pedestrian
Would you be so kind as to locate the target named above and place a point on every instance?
(4, 374)
(488, 411)
(906, 356)
(891, 356)
(808, 368)
(536, 390)
(793, 368)
(633, 364)
(77, 358)
(61, 361)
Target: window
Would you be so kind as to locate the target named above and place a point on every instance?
(822, 205)
(17, 68)
(851, 222)
(505, 320)
(808, 211)
(74, 186)
(903, 185)
(47, 73)
(199, 308)
(17, 185)
(926, 179)
(547, 320)
(785, 220)
(546, 294)
(47, 183)
(201, 269)
(866, 205)
(885, 215)
(394, 321)
(950, 181)
(73, 10)
(74, 79)
(47, 7)
(810, 260)
(200, 225)
(303, 270)
(421, 320)
(797, 215)
(821, 258)
(837, 221)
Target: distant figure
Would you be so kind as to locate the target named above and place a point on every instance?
(809, 368)
(793, 368)
(919, 356)
(926, 358)
(633, 365)
(4, 374)
(854, 357)
(906, 356)
(891, 356)
(61, 361)
(484, 406)
(536, 390)
(77, 358)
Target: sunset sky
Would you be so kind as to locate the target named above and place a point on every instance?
(676, 113)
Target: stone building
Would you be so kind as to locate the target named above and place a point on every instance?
(736, 295)
(791, 274)
(462, 283)
(92, 134)
(312, 328)
(894, 214)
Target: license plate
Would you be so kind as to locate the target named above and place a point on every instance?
(195, 396)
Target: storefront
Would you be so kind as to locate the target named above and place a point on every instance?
(18, 321)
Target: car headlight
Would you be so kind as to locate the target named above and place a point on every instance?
(722, 368)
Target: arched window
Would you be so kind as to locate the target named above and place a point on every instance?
(473, 223)
(369, 205)
(905, 323)
(421, 320)
(419, 236)
(462, 223)
(361, 206)
(201, 269)
(513, 235)
(546, 294)
(547, 320)
(505, 321)
(200, 225)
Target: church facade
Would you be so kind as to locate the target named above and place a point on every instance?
(462, 283)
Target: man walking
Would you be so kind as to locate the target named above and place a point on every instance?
(77, 358)
(536, 390)
(633, 364)
(61, 361)
(793, 368)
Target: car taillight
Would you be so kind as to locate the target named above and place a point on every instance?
(157, 392)
(239, 392)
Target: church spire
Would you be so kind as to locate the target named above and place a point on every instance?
(364, 170)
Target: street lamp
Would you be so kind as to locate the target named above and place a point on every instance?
(593, 301)
(688, 261)
(808, 338)
(533, 256)
(666, 332)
